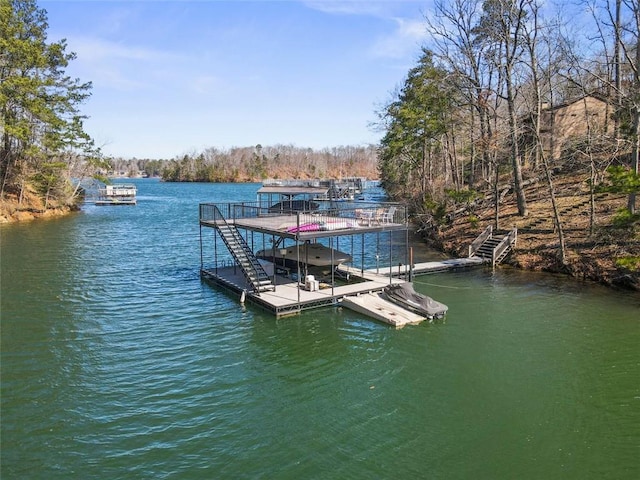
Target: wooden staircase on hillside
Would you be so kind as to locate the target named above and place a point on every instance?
(493, 248)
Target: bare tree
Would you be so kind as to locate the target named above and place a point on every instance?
(452, 28)
(503, 24)
(620, 21)
(634, 63)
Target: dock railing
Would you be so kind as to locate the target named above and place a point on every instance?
(477, 243)
(506, 243)
(355, 214)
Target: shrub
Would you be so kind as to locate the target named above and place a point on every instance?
(628, 263)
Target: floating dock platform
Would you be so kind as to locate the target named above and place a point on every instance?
(290, 297)
(373, 305)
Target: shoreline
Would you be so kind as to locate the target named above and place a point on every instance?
(527, 256)
(587, 258)
(593, 253)
(23, 215)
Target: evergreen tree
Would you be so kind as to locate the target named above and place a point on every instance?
(43, 145)
(415, 123)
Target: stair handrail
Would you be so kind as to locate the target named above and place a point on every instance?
(477, 243)
(256, 268)
(504, 245)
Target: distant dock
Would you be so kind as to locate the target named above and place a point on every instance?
(119, 194)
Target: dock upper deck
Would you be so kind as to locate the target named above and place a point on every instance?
(338, 218)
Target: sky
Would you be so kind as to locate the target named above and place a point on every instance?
(172, 78)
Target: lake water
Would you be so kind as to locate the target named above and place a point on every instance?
(117, 362)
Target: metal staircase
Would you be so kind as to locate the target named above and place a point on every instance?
(251, 268)
(490, 248)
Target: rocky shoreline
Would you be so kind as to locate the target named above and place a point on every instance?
(13, 212)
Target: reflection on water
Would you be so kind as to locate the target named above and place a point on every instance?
(118, 362)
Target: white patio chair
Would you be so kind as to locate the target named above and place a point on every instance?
(387, 215)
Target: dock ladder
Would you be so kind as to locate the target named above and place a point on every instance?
(251, 268)
(493, 248)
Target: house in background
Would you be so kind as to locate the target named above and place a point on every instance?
(564, 124)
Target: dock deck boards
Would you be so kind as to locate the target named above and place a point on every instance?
(289, 299)
(280, 224)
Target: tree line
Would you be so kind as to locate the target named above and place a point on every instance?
(471, 109)
(45, 152)
(468, 113)
(254, 164)
(251, 164)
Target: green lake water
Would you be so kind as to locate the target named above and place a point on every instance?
(118, 362)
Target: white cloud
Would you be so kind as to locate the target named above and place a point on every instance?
(116, 65)
(91, 49)
(408, 36)
(348, 7)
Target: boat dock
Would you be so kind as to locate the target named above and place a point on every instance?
(290, 297)
(118, 194)
(269, 252)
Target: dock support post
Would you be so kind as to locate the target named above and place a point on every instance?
(362, 255)
(201, 258)
(390, 259)
(377, 252)
(411, 264)
(298, 272)
(406, 253)
(333, 270)
(215, 249)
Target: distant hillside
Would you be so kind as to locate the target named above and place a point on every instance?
(253, 164)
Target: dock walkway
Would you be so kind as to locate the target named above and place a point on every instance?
(418, 268)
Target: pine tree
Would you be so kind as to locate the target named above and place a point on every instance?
(415, 124)
(43, 143)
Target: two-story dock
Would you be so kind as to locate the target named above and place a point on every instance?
(293, 249)
(297, 247)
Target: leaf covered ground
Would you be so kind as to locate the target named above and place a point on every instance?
(603, 254)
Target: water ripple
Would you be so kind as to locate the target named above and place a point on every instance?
(118, 362)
